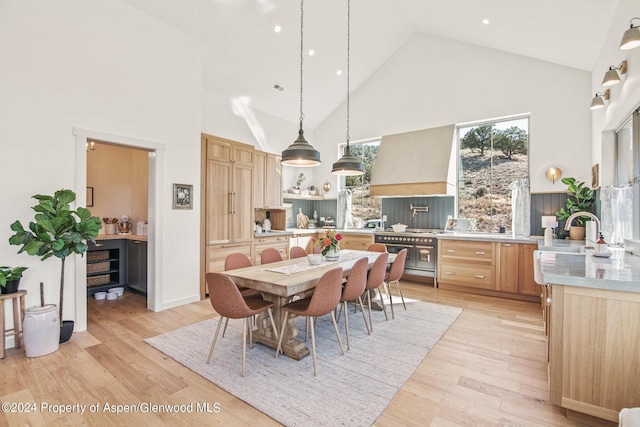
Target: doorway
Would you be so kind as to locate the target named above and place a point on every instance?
(155, 153)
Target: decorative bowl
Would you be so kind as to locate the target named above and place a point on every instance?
(119, 291)
(315, 259)
(399, 228)
(100, 295)
(112, 295)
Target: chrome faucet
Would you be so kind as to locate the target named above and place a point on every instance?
(567, 225)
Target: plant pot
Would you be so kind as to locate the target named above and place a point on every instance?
(66, 329)
(41, 330)
(576, 233)
(11, 287)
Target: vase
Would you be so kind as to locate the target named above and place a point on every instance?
(333, 254)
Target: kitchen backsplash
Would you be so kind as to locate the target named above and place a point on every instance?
(398, 210)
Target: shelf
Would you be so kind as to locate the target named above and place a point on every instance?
(98, 273)
(300, 197)
(102, 260)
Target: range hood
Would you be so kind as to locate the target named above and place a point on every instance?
(420, 163)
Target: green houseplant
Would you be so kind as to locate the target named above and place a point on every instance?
(10, 278)
(57, 231)
(580, 198)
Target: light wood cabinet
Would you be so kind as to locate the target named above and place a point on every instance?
(466, 263)
(267, 181)
(280, 243)
(359, 242)
(593, 358)
(227, 202)
(501, 269)
(228, 191)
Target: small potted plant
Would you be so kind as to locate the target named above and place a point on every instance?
(579, 199)
(10, 279)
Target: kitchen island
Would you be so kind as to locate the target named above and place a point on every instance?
(593, 319)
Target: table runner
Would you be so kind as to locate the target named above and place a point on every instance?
(302, 266)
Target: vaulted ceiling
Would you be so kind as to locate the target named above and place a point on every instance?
(245, 57)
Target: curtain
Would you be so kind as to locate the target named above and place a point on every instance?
(520, 208)
(344, 219)
(616, 213)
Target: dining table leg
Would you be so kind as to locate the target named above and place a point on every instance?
(291, 346)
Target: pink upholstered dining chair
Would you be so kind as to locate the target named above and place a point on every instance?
(227, 301)
(375, 279)
(270, 255)
(297, 252)
(352, 291)
(377, 247)
(239, 260)
(395, 274)
(324, 300)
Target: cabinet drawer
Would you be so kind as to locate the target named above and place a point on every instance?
(466, 251)
(216, 254)
(356, 242)
(270, 240)
(282, 248)
(476, 276)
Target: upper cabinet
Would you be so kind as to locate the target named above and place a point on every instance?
(267, 181)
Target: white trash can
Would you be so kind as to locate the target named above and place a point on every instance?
(41, 330)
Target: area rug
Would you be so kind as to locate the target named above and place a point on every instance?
(351, 389)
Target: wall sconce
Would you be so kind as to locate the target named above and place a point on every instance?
(598, 99)
(612, 77)
(631, 37)
(553, 173)
(326, 187)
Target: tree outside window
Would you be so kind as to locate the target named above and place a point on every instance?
(492, 155)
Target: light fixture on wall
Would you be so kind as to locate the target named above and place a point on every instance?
(553, 173)
(301, 153)
(631, 37)
(348, 164)
(611, 77)
(599, 98)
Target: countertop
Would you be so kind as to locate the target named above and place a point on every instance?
(565, 262)
(122, 236)
(489, 237)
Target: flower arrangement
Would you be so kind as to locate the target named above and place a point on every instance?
(331, 241)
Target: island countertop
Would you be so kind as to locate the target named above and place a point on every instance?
(620, 272)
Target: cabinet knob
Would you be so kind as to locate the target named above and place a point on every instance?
(99, 244)
(480, 253)
(508, 245)
(263, 240)
(479, 276)
(450, 273)
(453, 251)
(548, 301)
(280, 238)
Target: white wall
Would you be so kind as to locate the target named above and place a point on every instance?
(625, 97)
(432, 82)
(107, 67)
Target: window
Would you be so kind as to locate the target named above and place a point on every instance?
(621, 204)
(363, 207)
(492, 156)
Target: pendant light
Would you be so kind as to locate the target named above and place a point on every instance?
(348, 164)
(301, 153)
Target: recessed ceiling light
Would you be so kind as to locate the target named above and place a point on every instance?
(485, 21)
(311, 52)
(277, 28)
(339, 73)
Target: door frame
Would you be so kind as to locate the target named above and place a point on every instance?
(156, 176)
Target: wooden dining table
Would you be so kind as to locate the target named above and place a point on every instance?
(280, 282)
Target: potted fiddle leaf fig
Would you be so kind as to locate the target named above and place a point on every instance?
(57, 231)
(580, 198)
(10, 279)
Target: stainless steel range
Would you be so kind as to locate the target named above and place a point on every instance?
(421, 245)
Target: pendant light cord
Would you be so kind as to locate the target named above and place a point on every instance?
(348, 62)
(301, 55)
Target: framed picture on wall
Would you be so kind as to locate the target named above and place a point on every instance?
(89, 197)
(182, 196)
(595, 176)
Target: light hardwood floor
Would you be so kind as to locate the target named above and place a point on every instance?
(489, 369)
